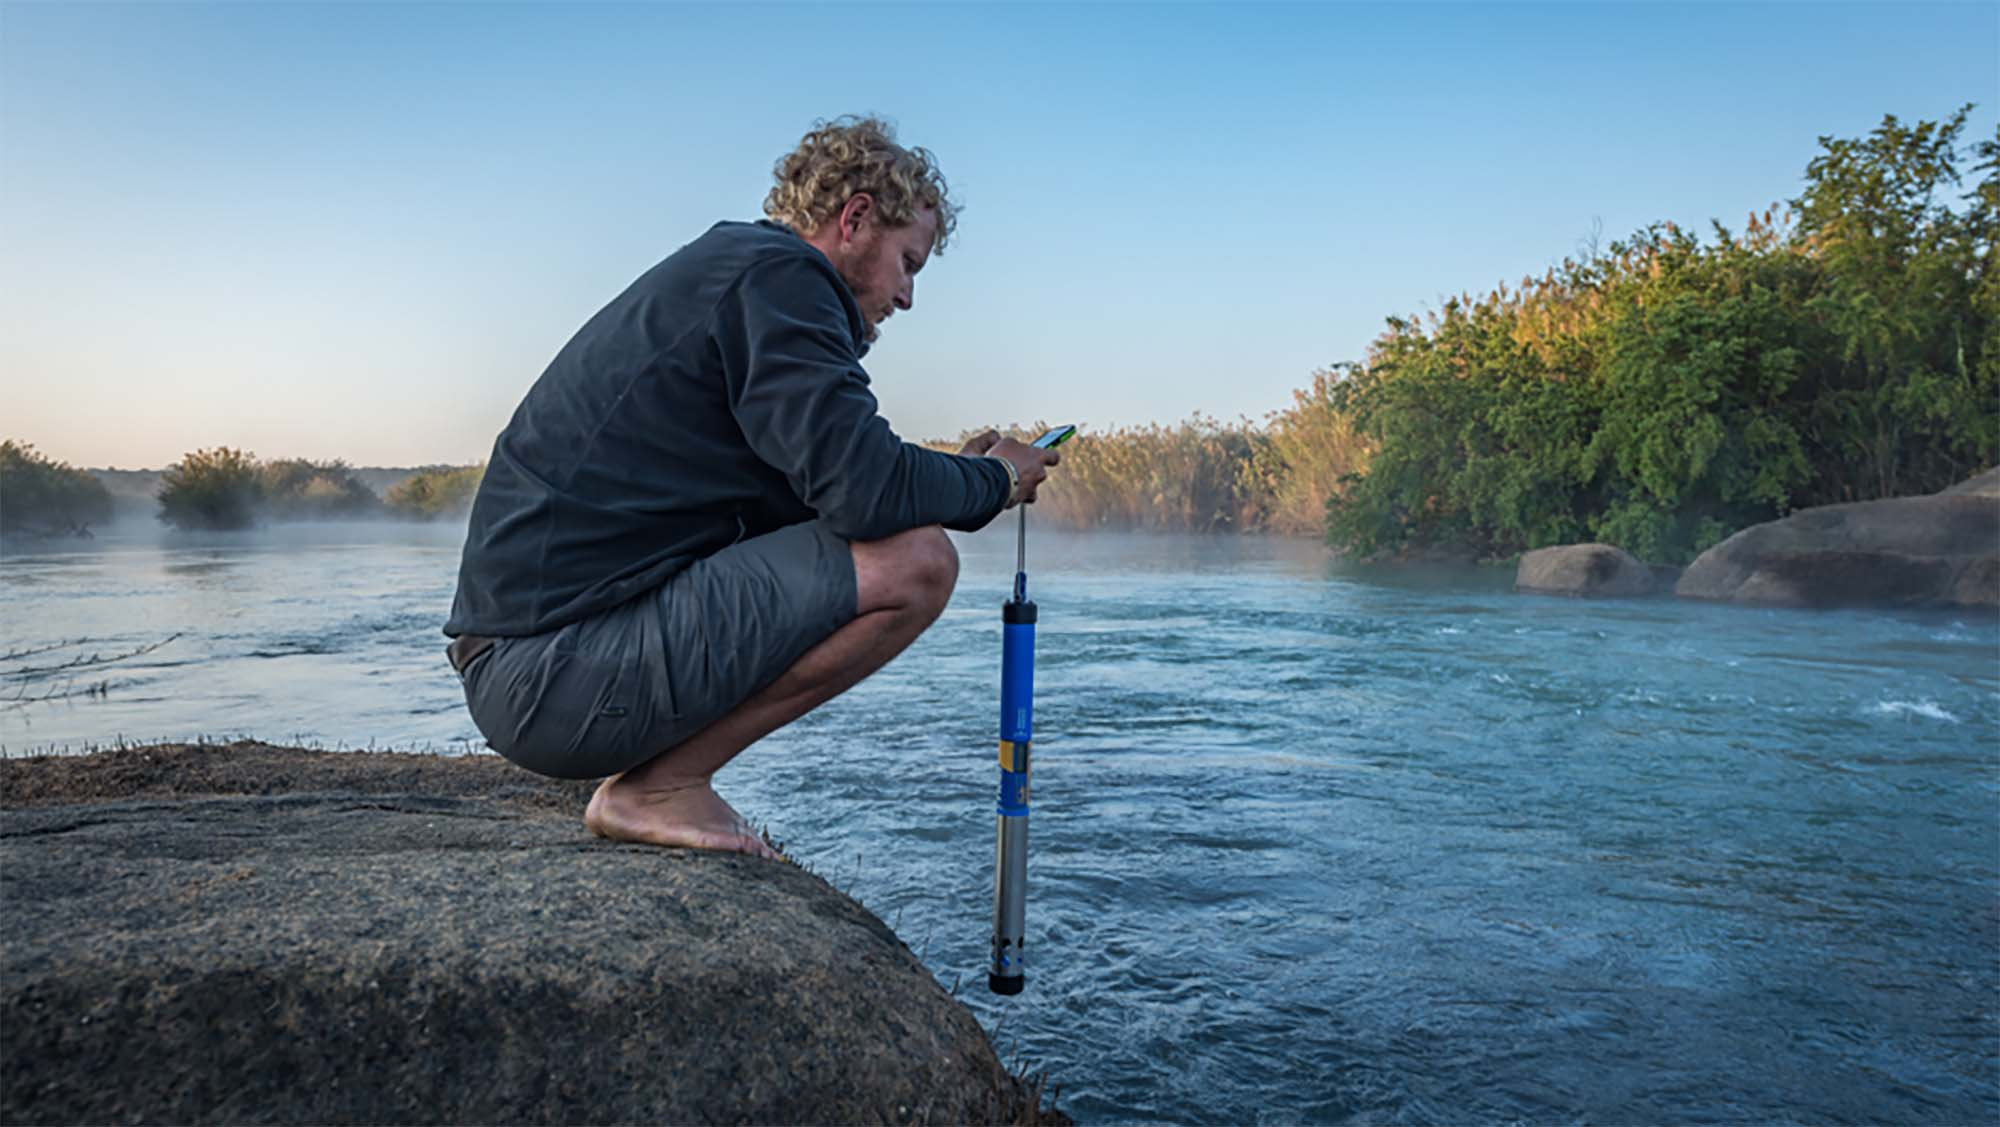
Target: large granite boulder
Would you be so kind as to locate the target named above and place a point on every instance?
(1596, 570)
(1980, 485)
(1937, 550)
(260, 935)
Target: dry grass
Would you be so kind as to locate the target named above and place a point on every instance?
(1202, 475)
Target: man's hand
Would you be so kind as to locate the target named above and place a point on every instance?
(1031, 464)
(979, 443)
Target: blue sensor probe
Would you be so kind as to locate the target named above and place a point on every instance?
(1017, 730)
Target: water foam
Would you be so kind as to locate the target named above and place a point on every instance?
(1928, 709)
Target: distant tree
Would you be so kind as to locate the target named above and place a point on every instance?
(439, 491)
(43, 497)
(211, 490)
(298, 489)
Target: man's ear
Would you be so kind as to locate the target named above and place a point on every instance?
(859, 207)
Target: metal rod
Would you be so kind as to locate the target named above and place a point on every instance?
(1021, 556)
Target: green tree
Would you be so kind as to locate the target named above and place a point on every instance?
(1900, 402)
(211, 490)
(434, 492)
(1696, 439)
(1982, 337)
(43, 497)
(298, 489)
(1481, 438)
(1668, 391)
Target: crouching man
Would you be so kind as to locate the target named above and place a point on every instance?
(696, 527)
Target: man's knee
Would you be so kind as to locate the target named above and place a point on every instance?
(936, 566)
(929, 566)
(916, 569)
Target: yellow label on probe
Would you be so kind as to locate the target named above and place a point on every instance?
(1013, 756)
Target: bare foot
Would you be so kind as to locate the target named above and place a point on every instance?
(687, 813)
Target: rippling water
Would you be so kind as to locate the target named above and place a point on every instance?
(1311, 843)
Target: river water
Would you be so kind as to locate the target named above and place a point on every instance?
(1311, 843)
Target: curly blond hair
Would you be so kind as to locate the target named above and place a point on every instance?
(842, 158)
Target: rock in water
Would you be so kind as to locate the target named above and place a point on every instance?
(1938, 550)
(1598, 570)
(451, 957)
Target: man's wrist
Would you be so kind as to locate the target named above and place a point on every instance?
(1013, 479)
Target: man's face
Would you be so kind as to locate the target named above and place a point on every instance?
(882, 264)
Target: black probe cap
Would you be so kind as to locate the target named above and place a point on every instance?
(1005, 984)
(1013, 613)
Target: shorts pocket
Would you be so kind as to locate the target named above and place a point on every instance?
(568, 705)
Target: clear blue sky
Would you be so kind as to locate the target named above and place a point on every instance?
(361, 231)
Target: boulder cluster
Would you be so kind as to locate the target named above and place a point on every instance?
(1940, 550)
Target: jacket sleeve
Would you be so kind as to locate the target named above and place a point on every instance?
(785, 335)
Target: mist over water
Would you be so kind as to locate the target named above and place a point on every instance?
(317, 633)
(1311, 843)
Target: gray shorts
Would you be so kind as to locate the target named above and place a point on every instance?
(608, 693)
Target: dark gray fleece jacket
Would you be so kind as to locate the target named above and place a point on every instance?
(719, 398)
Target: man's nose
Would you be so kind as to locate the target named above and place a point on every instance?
(906, 297)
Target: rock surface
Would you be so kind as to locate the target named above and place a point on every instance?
(1938, 550)
(1981, 485)
(250, 934)
(1595, 570)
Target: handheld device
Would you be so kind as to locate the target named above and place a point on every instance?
(1054, 437)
